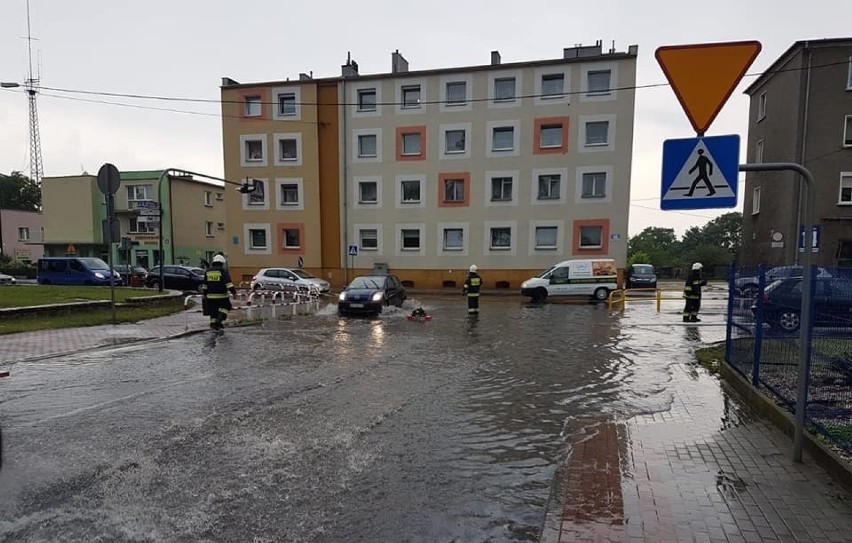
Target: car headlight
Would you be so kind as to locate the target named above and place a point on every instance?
(377, 296)
(99, 275)
(342, 296)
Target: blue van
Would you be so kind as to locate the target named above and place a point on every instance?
(70, 270)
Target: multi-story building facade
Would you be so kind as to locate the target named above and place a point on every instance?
(20, 236)
(801, 112)
(193, 218)
(511, 167)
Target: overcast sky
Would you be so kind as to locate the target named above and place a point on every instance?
(182, 48)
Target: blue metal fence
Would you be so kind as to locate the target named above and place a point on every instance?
(764, 335)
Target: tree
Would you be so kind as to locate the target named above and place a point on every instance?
(658, 245)
(18, 191)
(717, 243)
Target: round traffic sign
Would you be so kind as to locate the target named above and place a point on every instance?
(108, 179)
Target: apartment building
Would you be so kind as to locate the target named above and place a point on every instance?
(20, 236)
(801, 112)
(509, 166)
(193, 218)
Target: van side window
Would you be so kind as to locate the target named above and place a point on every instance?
(76, 266)
(56, 266)
(559, 274)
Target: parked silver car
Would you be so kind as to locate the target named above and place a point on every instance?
(271, 277)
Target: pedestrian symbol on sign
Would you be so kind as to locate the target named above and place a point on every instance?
(353, 250)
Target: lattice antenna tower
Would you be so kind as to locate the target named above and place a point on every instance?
(31, 85)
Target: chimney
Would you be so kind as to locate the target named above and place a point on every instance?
(305, 77)
(227, 82)
(350, 69)
(398, 63)
(495, 58)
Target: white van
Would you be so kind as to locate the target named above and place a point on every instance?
(590, 277)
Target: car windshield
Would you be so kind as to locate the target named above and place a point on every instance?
(368, 282)
(197, 271)
(303, 274)
(643, 270)
(94, 263)
(547, 271)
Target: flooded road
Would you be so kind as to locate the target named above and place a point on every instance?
(321, 428)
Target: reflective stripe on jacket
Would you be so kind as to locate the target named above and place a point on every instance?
(217, 282)
(692, 288)
(472, 284)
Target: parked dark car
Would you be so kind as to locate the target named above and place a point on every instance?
(371, 293)
(183, 278)
(133, 276)
(747, 284)
(642, 276)
(782, 302)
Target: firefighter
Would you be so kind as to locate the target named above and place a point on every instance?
(692, 293)
(217, 284)
(471, 287)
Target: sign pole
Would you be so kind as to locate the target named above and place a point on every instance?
(109, 180)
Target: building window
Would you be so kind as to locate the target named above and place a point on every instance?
(504, 89)
(758, 152)
(755, 201)
(844, 253)
(209, 229)
(550, 136)
(410, 239)
(847, 132)
(291, 238)
(597, 133)
(288, 150)
(23, 233)
(367, 100)
(208, 198)
(594, 185)
(454, 190)
(845, 188)
(138, 193)
(257, 197)
(545, 237)
(552, 85)
(453, 239)
(411, 97)
(257, 238)
(503, 138)
(369, 239)
(501, 238)
(287, 104)
(410, 191)
(289, 194)
(761, 106)
(599, 82)
(368, 192)
(591, 237)
(549, 186)
(849, 75)
(139, 227)
(456, 93)
(455, 141)
(253, 106)
(411, 144)
(501, 189)
(367, 147)
(254, 150)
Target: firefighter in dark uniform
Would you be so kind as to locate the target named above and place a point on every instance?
(217, 284)
(692, 293)
(471, 288)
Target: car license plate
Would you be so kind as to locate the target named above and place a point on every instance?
(356, 306)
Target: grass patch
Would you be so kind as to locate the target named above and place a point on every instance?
(711, 357)
(27, 295)
(88, 317)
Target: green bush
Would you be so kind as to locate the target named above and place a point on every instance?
(24, 272)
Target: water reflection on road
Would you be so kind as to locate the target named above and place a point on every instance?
(326, 429)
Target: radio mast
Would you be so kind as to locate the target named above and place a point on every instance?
(31, 86)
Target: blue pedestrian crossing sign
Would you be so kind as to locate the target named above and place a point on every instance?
(700, 173)
(353, 250)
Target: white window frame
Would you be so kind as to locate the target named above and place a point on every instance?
(562, 135)
(516, 187)
(209, 229)
(849, 75)
(359, 228)
(609, 185)
(519, 89)
(257, 206)
(563, 184)
(23, 233)
(250, 100)
(249, 250)
(461, 251)
(141, 227)
(284, 239)
(277, 92)
(564, 98)
(580, 240)
(755, 201)
(758, 151)
(421, 179)
(147, 191)
(421, 228)
(443, 129)
(356, 192)
(443, 187)
(516, 138)
(254, 163)
(403, 84)
(402, 143)
(560, 237)
(513, 233)
(845, 180)
(466, 106)
(356, 144)
(208, 198)
(300, 194)
(279, 159)
(585, 95)
(582, 147)
(847, 131)
(761, 106)
(355, 99)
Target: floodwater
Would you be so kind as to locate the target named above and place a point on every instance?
(319, 428)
